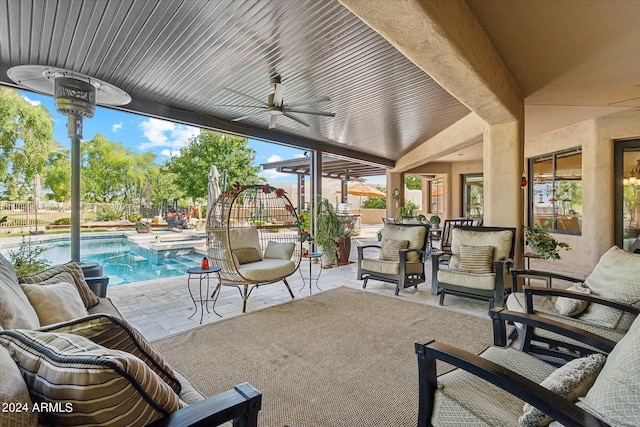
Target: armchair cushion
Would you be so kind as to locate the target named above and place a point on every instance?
(93, 384)
(615, 395)
(267, 270)
(390, 249)
(458, 391)
(14, 395)
(571, 307)
(390, 267)
(615, 276)
(54, 274)
(116, 333)
(244, 237)
(55, 302)
(476, 259)
(15, 309)
(484, 281)
(415, 235)
(499, 240)
(571, 381)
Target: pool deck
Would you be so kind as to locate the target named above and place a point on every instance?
(162, 307)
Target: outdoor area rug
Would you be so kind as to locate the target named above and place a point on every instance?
(344, 357)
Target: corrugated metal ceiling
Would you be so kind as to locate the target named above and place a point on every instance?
(178, 58)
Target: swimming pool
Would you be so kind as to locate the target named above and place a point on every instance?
(124, 261)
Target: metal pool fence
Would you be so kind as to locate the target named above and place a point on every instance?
(22, 216)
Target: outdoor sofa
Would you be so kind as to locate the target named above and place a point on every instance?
(67, 356)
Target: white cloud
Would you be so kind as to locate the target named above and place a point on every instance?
(170, 153)
(116, 127)
(31, 101)
(274, 158)
(299, 156)
(271, 174)
(161, 133)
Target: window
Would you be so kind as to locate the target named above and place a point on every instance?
(472, 195)
(437, 196)
(555, 194)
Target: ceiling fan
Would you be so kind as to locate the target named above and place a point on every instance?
(275, 105)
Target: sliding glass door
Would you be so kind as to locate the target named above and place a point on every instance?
(627, 194)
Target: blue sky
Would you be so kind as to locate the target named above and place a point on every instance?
(142, 134)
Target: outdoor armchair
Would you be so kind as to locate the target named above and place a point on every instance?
(491, 388)
(605, 303)
(479, 264)
(399, 258)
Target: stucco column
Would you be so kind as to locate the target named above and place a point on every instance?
(394, 180)
(503, 163)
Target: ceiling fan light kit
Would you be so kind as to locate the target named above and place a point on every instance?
(276, 107)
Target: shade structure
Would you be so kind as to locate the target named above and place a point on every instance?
(363, 190)
(214, 188)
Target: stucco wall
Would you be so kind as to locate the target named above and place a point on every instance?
(596, 137)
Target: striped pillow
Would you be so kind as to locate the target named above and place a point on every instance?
(116, 334)
(90, 383)
(390, 249)
(51, 275)
(476, 259)
(14, 396)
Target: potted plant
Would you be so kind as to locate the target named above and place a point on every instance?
(434, 221)
(542, 243)
(143, 227)
(408, 211)
(343, 242)
(328, 227)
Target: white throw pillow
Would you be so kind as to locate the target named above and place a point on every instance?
(571, 381)
(616, 276)
(277, 250)
(570, 306)
(55, 302)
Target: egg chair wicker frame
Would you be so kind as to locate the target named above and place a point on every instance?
(267, 209)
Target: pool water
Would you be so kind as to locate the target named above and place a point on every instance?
(124, 261)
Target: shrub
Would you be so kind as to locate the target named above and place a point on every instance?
(62, 221)
(26, 260)
(111, 212)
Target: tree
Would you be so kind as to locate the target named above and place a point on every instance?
(26, 139)
(111, 172)
(413, 182)
(191, 167)
(375, 203)
(58, 175)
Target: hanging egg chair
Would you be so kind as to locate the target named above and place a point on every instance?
(253, 235)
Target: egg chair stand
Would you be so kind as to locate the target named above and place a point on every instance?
(253, 235)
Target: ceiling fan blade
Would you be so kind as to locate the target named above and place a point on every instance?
(278, 94)
(314, 112)
(259, 101)
(309, 101)
(247, 116)
(240, 106)
(272, 121)
(297, 119)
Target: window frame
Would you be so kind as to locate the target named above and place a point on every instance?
(530, 202)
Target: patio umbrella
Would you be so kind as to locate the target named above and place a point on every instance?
(214, 188)
(361, 190)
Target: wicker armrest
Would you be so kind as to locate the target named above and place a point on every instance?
(545, 400)
(240, 405)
